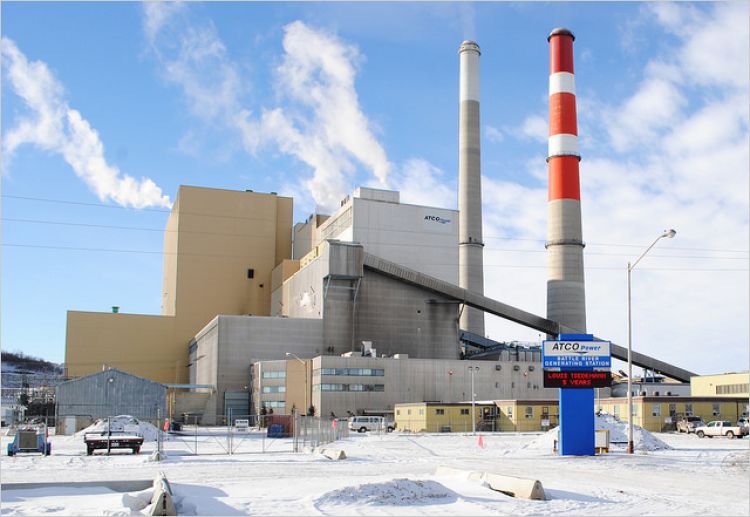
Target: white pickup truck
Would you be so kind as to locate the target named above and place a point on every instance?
(720, 428)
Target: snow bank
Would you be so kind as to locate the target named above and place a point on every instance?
(398, 492)
(618, 432)
(126, 424)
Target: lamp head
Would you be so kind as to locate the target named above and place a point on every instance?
(669, 234)
(288, 354)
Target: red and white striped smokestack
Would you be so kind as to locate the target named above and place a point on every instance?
(566, 302)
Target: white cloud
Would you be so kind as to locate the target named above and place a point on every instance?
(55, 127)
(535, 127)
(493, 134)
(421, 183)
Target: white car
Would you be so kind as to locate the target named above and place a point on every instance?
(362, 424)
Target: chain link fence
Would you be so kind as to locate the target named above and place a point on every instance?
(313, 431)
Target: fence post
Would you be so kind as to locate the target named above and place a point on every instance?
(229, 431)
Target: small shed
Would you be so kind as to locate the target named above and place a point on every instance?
(109, 393)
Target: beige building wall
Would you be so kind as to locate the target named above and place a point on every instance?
(436, 418)
(212, 238)
(721, 385)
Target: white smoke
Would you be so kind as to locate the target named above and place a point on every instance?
(320, 123)
(53, 126)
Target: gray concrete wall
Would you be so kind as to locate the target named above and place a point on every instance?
(238, 341)
(400, 319)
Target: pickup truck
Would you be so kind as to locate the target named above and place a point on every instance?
(720, 428)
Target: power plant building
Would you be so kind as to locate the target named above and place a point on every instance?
(259, 312)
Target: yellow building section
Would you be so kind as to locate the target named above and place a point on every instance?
(432, 417)
(721, 385)
(220, 248)
(527, 415)
(659, 414)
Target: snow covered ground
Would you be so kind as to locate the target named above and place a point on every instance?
(392, 474)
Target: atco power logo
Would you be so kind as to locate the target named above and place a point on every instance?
(436, 219)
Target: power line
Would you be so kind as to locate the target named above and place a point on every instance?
(487, 248)
(242, 257)
(159, 210)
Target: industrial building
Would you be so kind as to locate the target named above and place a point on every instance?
(220, 247)
(352, 385)
(249, 299)
(108, 393)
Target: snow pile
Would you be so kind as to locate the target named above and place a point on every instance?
(618, 432)
(123, 424)
(618, 436)
(398, 492)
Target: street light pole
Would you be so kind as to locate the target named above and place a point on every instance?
(668, 234)
(472, 369)
(304, 365)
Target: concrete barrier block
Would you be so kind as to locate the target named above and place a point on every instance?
(513, 486)
(333, 454)
(162, 502)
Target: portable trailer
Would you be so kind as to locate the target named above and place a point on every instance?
(106, 440)
(30, 439)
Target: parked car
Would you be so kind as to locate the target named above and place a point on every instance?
(362, 424)
(688, 424)
(720, 428)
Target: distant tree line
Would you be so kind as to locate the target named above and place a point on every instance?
(27, 362)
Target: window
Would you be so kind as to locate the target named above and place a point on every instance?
(439, 411)
(398, 412)
(688, 410)
(732, 389)
(672, 409)
(715, 409)
(367, 372)
(655, 409)
(274, 389)
(274, 375)
(331, 387)
(509, 411)
(528, 384)
(529, 412)
(274, 403)
(408, 411)
(464, 411)
(421, 411)
(617, 410)
(545, 410)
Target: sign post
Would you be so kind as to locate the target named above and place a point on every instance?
(576, 364)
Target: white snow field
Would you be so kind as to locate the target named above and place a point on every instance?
(391, 474)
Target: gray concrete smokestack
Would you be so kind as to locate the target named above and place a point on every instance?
(470, 244)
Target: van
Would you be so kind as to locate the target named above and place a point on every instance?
(362, 424)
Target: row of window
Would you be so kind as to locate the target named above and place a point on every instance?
(369, 372)
(348, 387)
(438, 411)
(731, 389)
(274, 403)
(274, 375)
(274, 389)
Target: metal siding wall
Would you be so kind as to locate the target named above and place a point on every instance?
(95, 395)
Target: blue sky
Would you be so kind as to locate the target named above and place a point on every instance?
(108, 107)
